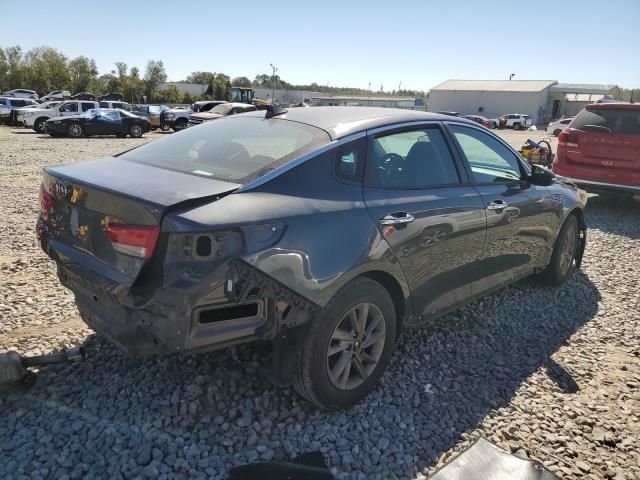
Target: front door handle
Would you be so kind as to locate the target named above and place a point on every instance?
(397, 218)
(497, 205)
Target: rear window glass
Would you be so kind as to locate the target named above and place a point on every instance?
(610, 121)
(235, 149)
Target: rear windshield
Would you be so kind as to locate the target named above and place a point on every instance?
(608, 120)
(234, 149)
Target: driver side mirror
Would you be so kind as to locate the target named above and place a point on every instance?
(540, 176)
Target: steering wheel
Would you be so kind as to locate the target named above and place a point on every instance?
(390, 163)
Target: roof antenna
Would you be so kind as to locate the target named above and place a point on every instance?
(274, 111)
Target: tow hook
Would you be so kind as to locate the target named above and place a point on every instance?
(14, 368)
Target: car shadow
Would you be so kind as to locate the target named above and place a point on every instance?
(614, 214)
(24, 132)
(443, 381)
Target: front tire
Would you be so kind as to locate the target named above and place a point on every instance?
(75, 130)
(564, 253)
(348, 346)
(135, 131)
(556, 132)
(180, 124)
(516, 126)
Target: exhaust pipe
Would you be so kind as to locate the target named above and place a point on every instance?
(14, 369)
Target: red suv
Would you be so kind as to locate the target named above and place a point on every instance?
(600, 149)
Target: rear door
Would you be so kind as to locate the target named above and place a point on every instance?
(520, 223)
(418, 194)
(608, 144)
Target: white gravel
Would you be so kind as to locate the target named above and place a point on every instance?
(553, 374)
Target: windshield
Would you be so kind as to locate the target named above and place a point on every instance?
(222, 109)
(236, 149)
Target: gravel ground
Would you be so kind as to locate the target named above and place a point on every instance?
(553, 374)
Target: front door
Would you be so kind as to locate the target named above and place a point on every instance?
(520, 223)
(417, 192)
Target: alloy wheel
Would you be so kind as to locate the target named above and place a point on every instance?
(136, 131)
(568, 250)
(356, 346)
(75, 130)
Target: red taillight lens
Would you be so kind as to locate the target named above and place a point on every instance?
(134, 240)
(568, 138)
(46, 199)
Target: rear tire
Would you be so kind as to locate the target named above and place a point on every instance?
(564, 254)
(40, 125)
(180, 124)
(337, 364)
(556, 132)
(75, 130)
(516, 126)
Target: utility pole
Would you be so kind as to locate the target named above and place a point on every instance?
(511, 76)
(273, 82)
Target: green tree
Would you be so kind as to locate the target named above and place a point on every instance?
(153, 75)
(203, 78)
(47, 69)
(135, 86)
(188, 98)
(16, 72)
(168, 95)
(4, 70)
(84, 74)
(241, 82)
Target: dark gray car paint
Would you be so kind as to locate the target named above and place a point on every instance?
(300, 237)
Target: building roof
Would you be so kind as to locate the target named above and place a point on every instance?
(582, 88)
(583, 97)
(495, 85)
(340, 122)
(361, 98)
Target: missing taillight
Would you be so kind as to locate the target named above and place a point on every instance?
(133, 240)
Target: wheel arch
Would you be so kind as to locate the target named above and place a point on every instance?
(401, 303)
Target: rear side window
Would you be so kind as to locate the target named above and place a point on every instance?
(104, 104)
(608, 121)
(412, 159)
(349, 161)
(87, 106)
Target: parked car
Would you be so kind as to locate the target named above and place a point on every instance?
(99, 121)
(600, 149)
(113, 96)
(226, 234)
(554, 128)
(36, 118)
(19, 92)
(83, 96)
(10, 105)
(22, 111)
(517, 121)
(57, 95)
(178, 118)
(220, 111)
(487, 122)
(451, 114)
(153, 113)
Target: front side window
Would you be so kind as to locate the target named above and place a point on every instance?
(412, 159)
(489, 159)
(69, 107)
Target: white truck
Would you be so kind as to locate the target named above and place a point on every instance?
(517, 121)
(36, 118)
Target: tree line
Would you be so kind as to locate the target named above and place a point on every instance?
(45, 69)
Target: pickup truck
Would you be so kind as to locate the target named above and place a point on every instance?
(517, 121)
(36, 118)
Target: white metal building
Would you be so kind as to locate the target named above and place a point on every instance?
(346, 100)
(541, 99)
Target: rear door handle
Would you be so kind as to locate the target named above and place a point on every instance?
(397, 218)
(497, 205)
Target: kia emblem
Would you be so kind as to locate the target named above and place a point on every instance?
(60, 190)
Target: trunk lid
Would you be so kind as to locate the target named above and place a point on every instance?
(84, 199)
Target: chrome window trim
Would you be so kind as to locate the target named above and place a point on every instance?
(395, 126)
(276, 172)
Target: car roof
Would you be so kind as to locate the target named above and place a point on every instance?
(340, 122)
(613, 106)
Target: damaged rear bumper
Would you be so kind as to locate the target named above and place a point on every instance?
(241, 305)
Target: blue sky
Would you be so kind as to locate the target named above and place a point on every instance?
(346, 43)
